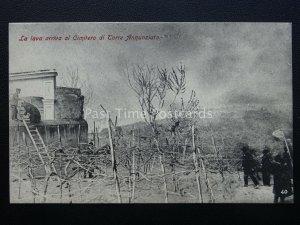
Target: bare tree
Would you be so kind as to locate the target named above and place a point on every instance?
(185, 107)
(151, 85)
(146, 83)
(72, 79)
(174, 81)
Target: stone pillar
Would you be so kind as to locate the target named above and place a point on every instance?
(48, 109)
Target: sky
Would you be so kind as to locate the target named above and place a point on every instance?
(226, 63)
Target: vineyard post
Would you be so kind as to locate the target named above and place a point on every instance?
(98, 140)
(133, 168)
(133, 174)
(80, 187)
(129, 188)
(46, 135)
(197, 172)
(153, 162)
(46, 183)
(212, 198)
(60, 174)
(69, 190)
(19, 162)
(217, 158)
(164, 178)
(94, 137)
(139, 151)
(184, 150)
(59, 136)
(113, 160)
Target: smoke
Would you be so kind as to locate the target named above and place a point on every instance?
(225, 62)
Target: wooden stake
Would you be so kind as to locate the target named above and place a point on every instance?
(113, 161)
(197, 174)
(164, 179)
(133, 176)
(217, 158)
(60, 174)
(212, 198)
(69, 189)
(19, 162)
(94, 135)
(58, 132)
(133, 137)
(59, 136)
(129, 189)
(173, 161)
(139, 151)
(153, 162)
(98, 140)
(46, 138)
(184, 150)
(80, 188)
(46, 183)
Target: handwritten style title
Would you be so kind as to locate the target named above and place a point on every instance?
(109, 37)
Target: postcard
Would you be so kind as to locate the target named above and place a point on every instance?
(158, 112)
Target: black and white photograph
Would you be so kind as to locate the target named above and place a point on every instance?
(150, 112)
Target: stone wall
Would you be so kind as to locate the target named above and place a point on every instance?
(68, 103)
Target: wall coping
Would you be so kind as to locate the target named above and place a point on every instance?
(32, 75)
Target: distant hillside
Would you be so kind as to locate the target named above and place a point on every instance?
(243, 97)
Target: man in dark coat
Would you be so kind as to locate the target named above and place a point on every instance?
(282, 183)
(266, 163)
(32, 111)
(287, 159)
(14, 104)
(249, 165)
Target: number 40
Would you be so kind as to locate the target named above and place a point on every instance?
(284, 192)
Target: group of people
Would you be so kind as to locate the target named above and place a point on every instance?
(20, 109)
(280, 167)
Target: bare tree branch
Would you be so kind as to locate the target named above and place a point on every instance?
(151, 85)
(72, 79)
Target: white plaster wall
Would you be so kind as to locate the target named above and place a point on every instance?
(39, 87)
(33, 87)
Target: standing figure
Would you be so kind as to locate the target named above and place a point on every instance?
(14, 104)
(249, 165)
(266, 163)
(282, 183)
(287, 160)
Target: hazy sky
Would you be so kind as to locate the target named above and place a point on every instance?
(225, 62)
